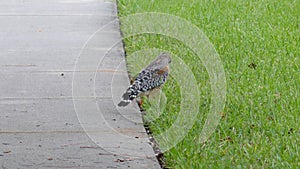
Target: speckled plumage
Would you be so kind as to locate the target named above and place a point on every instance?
(151, 77)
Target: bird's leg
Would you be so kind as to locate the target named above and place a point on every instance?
(140, 102)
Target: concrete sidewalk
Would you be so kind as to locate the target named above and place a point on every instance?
(51, 117)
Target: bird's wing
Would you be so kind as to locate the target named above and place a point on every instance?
(147, 74)
(146, 80)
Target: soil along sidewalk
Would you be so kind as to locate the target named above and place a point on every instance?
(53, 116)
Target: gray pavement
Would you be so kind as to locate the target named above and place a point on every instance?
(60, 81)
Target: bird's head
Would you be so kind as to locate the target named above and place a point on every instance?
(163, 59)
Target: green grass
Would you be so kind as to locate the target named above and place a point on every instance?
(260, 122)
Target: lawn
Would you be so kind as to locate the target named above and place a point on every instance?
(258, 43)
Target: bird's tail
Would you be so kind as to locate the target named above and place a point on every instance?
(126, 99)
(128, 96)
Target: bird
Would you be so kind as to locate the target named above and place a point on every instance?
(151, 77)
